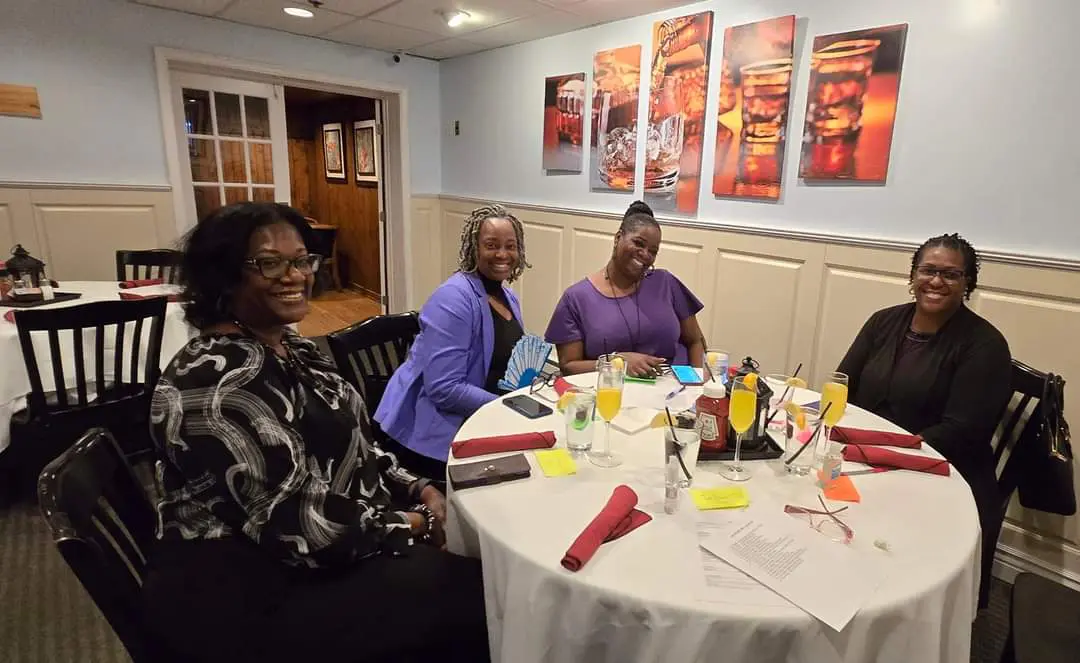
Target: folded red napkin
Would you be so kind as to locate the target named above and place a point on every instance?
(479, 446)
(881, 457)
(875, 438)
(132, 295)
(618, 517)
(561, 385)
(139, 283)
(9, 315)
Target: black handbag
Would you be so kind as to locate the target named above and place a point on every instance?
(1046, 483)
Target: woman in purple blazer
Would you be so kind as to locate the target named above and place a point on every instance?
(646, 315)
(468, 328)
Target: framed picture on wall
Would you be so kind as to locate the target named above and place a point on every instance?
(333, 152)
(366, 143)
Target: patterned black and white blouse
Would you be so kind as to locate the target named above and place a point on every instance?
(274, 449)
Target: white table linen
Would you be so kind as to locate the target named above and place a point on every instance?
(635, 601)
(14, 381)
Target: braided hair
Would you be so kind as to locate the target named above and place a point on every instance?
(470, 239)
(956, 243)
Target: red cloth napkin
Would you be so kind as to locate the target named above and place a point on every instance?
(479, 446)
(618, 517)
(562, 385)
(139, 283)
(132, 295)
(9, 315)
(875, 438)
(881, 457)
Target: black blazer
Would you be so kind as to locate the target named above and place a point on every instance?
(952, 392)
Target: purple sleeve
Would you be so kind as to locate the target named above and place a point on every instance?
(684, 301)
(565, 325)
(443, 318)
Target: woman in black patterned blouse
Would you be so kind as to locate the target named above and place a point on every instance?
(285, 534)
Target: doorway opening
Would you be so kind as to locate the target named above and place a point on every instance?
(227, 139)
(334, 143)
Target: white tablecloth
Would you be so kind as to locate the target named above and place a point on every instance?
(631, 603)
(15, 383)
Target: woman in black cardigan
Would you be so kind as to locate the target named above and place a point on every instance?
(936, 368)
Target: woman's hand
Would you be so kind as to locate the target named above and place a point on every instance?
(436, 501)
(641, 366)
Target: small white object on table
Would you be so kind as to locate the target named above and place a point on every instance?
(14, 381)
(640, 597)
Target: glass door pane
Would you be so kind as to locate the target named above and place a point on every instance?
(234, 136)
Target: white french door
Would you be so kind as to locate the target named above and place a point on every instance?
(232, 142)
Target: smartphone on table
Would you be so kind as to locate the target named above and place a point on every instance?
(687, 375)
(527, 407)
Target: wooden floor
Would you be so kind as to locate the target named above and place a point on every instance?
(336, 309)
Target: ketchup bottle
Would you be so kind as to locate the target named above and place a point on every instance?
(712, 416)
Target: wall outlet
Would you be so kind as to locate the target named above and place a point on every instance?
(457, 128)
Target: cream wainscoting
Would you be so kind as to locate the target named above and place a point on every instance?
(807, 297)
(77, 229)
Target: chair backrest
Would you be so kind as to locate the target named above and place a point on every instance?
(324, 242)
(103, 525)
(369, 352)
(1018, 428)
(121, 328)
(161, 264)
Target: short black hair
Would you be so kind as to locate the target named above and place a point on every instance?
(214, 253)
(956, 243)
(638, 215)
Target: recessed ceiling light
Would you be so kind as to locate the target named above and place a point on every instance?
(299, 12)
(456, 17)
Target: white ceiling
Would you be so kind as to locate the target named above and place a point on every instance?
(415, 26)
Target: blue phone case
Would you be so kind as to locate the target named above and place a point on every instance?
(687, 375)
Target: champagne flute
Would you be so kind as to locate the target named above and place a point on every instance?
(834, 392)
(611, 373)
(742, 413)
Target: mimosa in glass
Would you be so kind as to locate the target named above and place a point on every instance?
(611, 372)
(741, 415)
(834, 392)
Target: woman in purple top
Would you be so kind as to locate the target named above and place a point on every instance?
(646, 315)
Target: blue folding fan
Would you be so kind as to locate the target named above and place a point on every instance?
(526, 361)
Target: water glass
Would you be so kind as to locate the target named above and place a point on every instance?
(800, 425)
(688, 443)
(580, 407)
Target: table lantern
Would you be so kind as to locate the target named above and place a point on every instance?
(24, 266)
(756, 437)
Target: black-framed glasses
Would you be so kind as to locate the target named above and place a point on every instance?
(541, 382)
(928, 272)
(276, 267)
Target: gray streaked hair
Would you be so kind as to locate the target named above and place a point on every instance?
(470, 239)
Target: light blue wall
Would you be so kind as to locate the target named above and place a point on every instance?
(93, 64)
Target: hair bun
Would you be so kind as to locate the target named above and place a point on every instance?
(639, 207)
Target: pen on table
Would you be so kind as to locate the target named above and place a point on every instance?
(873, 470)
(675, 393)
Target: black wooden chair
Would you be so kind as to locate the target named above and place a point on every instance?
(89, 365)
(369, 352)
(1018, 429)
(103, 525)
(161, 264)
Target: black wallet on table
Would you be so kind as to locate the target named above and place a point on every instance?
(489, 472)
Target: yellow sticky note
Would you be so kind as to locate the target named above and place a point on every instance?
(727, 497)
(556, 462)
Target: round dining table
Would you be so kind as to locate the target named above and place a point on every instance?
(644, 597)
(14, 381)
